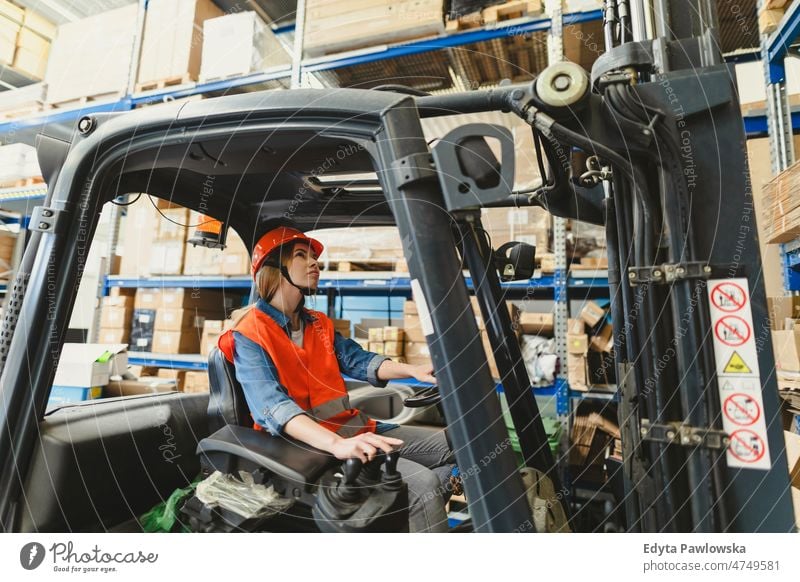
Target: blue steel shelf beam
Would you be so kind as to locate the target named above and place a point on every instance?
(779, 42)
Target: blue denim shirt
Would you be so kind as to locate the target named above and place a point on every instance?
(268, 400)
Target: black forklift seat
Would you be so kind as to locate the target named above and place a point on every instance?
(234, 445)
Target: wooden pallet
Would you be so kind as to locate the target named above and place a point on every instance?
(23, 183)
(24, 111)
(494, 14)
(163, 83)
(365, 265)
(81, 101)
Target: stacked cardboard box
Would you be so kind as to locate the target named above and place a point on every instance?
(793, 459)
(172, 42)
(24, 39)
(239, 44)
(170, 321)
(196, 382)
(528, 225)
(333, 26)
(387, 341)
(8, 241)
(92, 57)
(116, 316)
(592, 434)
(415, 346)
(781, 206)
(531, 323)
(142, 385)
(589, 355)
(513, 312)
(782, 310)
(18, 162)
(169, 245)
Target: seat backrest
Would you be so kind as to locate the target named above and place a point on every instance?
(226, 403)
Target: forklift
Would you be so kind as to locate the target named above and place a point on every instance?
(661, 124)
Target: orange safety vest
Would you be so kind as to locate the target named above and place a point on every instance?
(311, 374)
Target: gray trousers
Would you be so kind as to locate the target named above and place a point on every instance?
(426, 462)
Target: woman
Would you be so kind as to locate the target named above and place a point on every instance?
(290, 362)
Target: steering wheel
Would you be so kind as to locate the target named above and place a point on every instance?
(424, 398)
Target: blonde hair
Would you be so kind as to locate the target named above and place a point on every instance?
(268, 279)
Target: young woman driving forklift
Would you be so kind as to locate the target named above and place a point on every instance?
(290, 361)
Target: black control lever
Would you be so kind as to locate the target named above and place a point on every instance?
(424, 398)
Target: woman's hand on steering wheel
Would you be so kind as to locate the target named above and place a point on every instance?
(423, 373)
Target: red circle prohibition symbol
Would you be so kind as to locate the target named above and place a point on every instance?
(734, 401)
(739, 437)
(728, 294)
(729, 323)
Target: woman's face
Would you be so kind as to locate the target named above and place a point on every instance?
(303, 267)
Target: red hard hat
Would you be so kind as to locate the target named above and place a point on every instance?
(277, 237)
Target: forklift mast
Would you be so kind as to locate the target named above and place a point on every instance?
(659, 117)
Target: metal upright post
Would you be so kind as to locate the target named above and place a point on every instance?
(299, 35)
(555, 54)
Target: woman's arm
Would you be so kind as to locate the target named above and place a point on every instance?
(391, 370)
(363, 446)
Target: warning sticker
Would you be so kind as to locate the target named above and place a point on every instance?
(738, 375)
(741, 409)
(728, 297)
(736, 365)
(732, 330)
(747, 446)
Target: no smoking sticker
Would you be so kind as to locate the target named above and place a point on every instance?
(728, 297)
(747, 446)
(732, 330)
(741, 409)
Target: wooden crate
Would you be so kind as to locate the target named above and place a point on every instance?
(332, 27)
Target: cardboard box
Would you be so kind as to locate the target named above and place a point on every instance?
(179, 320)
(176, 376)
(195, 382)
(393, 334)
(536, 323)
(144, 385)
(39, 24)
(768, 20)
(393, 348)
(239, 44)
(782, 308)
(577, 372)
(147, 298)
(793, 457)
(416, 350)
(90, 365)
(410, 308)
(166, 257)
(31, 54)
(141, 340)
(60, 395)
(576, 326)
(9, 31)
(123, 301)
(592, 313)
(12, 12)
(577, 343)
(513, 312)
(144, 319)
(115, 317)
(785, 345)
(603, 340)
(342, 326)
(375, 334)
(376, 347)
(113, 335)
(209, 301)
(412, 329)
(177, 342)
(212, 329)
(92, 56)
(173, 39)
(174, 225)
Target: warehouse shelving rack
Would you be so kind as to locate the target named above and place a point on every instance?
(781, 120)
(551, 25)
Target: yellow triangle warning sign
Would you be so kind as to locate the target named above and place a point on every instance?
(736, 365)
